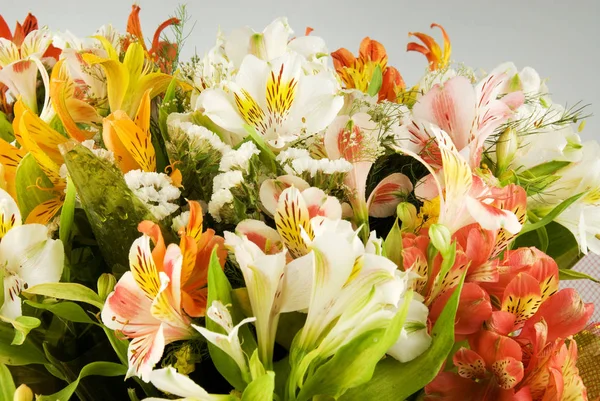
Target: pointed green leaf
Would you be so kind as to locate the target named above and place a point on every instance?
(23, 325)
(107, 369)
(67, 213)
(397, 381)
(393, 245)
(553, 214)
(66, 310)
(544, 169)
(68, 291)
(7, 385)
(266, 154)
(6, 129)
(29, 179)
(261, 389)
(376, 82)
(569, 274)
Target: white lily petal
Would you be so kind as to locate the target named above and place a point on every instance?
(219, 107)
(276, 36)
(10, 216)
(237, 45)
(11, 308)
(169, 381)
(27, 251)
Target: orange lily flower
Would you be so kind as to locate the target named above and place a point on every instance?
(161, 52)
(22, 30)
(196, 247)
(357, 73)
(437, 57)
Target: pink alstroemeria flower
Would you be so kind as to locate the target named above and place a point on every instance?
(146, 304)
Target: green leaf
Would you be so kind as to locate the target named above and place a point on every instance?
(569, 274)
(562, 245)
(107, 369)
(23, 325)
(28, 179)
(354, 363)
(266, 154)
(544, 169)
(219, 289)
(393, 245)
(6, 129)
(376, 81)
(68, 291)
(543, 237)
(66, 310)
(553, 214)
(397, 381)
(67, 214)
(113, 211)
(256, 367)
(261, 389)
(7, 385)
(18, 355)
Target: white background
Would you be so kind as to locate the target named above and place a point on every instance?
(558, 38)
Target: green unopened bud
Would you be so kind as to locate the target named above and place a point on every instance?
(581, 126)
(407, 213)
(440, 238)
(506, 148)
(106, 284)
(23, 393)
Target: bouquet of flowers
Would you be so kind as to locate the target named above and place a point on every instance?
(275, 221)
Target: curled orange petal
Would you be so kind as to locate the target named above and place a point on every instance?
(134, 27)
(342, 58)
(372, 50)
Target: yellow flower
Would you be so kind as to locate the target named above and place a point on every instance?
(429, 213)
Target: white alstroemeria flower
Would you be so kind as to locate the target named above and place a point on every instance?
(263, 277)
(156, 190)
(19, 66)
(275, 98)
(230, 343)
(27, 256)
(297, 161)
(583, 220)
(171, 382)
(414, 338)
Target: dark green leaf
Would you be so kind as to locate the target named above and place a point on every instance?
(107, 369)
(562, 245)
(24, 354)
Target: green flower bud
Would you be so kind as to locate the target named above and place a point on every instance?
(506, 148)
(407, 213)
(106, 284)
(440, 238)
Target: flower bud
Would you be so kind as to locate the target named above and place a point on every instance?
(23, 393)
(106, 284)
(407, 213)
(506, 148)
(440, 238)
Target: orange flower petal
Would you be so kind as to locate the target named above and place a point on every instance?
(372, 50)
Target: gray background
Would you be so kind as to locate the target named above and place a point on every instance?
(558, 38)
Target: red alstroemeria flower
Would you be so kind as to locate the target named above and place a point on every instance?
(29, 25)
(488, 371)
(357, 73)
(161, 52)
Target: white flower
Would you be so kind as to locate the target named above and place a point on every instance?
(200, 138)
(227, 180)
(230, 342)
(171, 382)
(219, 199)
(180, 221)
(275, 98)
(239, 158)
(298, 161)
(27, 256)
(155, 190)
(414, 338)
